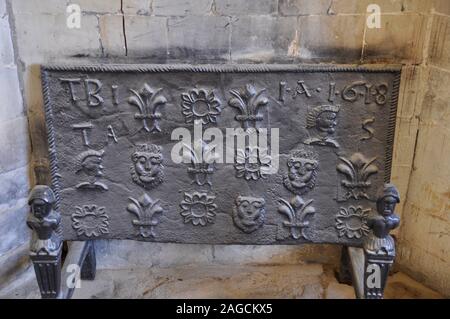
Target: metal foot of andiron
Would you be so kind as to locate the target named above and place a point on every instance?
(46, 243)
(217, 154)
(379, 246)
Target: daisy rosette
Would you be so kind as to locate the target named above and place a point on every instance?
(252, 163)
(198, 208)
(200, 104)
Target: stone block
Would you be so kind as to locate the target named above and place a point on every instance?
(264, 39)
(140, 7)
(245, 8)
(123, 254)
(436, 101)
(439, 50)
(6, 48)
(336, 290)
(401, 286)
(13, 264)
(207, 282)
(399, 40)
(12, 106)
(111, 35)
(332, 38)
(109, 6)
(15, 184)
(47, 6)
(360, 6)
(418, 6)
(303, 7)
(181, 7)
(146, 37)
(441, 6)
(13, 225)
(280, 255)
(199, 38)
(44, 38)
(14, 141)
(3, 10)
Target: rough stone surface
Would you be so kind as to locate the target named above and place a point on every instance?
(424, 249)
(15, 184)
(12, 106)
(401, 286)
(143, 7)
(147, 37)
(331, 38)
(14, 141)
(300, 281)
(6, 49)
(303, 7)
(440, 42)
(117, 254)
(12, 223)
(111, 34)
(264, 38)
(189, 41)
(360, 6)
(109, 6)
(245, 8)
(59, 41)
(180, 7)
(400, 38)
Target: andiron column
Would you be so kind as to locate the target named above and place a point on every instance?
(379, 246)
(46, 241)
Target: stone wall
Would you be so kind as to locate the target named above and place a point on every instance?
(14, 157)
(424, 243)
(233, 31)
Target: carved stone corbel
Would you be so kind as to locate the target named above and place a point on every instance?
(379, 246)
(46, 242)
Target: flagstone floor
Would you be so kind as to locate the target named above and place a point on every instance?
(302, 281)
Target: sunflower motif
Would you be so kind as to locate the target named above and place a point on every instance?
(352, 222)
(252, 164)
(90, 220)
(200, 105)
(198, 208)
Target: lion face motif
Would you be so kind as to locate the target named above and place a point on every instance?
(249, 213)
(302, 172)
(147, 167)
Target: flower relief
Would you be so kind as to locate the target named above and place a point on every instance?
(352, 222)
(90, 220)
(200, 104)
(198, 208)
(252, 163)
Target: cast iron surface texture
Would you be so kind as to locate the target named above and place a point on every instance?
(109, 131)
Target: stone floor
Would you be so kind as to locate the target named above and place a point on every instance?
(302, 281)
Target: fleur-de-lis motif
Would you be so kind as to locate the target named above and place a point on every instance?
(357, 169)
(202, 162)
(248, 101)
(297, 212)
(147, 211)
(148, 101)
